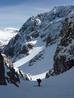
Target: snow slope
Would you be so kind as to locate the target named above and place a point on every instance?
(55, 87)
(42, 65)
(24, 60)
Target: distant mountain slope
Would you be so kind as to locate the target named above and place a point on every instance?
(6, 34)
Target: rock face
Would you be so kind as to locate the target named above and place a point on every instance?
(64, 56)
(2, 71)
(58, 24)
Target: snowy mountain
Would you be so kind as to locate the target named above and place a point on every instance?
(39, 38)
(46, 30)
(43, 47)
(6, 34)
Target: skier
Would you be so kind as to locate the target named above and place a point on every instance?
(39, 81)
(2, 71)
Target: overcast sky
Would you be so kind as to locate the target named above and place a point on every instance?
(13, 13)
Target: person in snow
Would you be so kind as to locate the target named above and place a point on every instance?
(39, 81)
(2, 71)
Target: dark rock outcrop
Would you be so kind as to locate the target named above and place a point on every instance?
(64, 56)
(2, 71)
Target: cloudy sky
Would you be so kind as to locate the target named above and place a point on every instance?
(13, 13)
